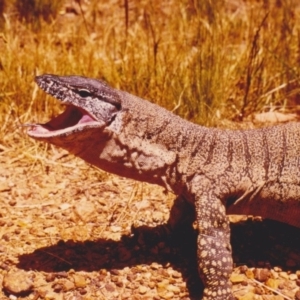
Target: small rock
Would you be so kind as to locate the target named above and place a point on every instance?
(162, 286)
(68, 285)
(82, 291)
(115, 228)
(79, 281)
(6, 237)
(259, 290)
(272, 283)
(62, 274)
(293, 277)
(274, 274)
(297, 295)
(16, 282)
(12, 202)
(173, 288)
(4, 187)
(284, 275)
(119, 283)
(50, 277)
(131, 277)
(262, 274)
(243, 269)
(84, 210)
(155, 266)
(176, 275)
(157, 216)
(142, 290)
(57, 287)
(109, 287)
(114, 272)
(237, 278)
(249, 273)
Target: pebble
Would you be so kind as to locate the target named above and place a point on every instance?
(157, 216)
(176, 275)
(16, 282)
(109, 287)
(114, 272)
(243, 269)
(259, 290)
(262, 274)
(249, 273)
(173, 288)
(237, 278)
(297, 295)
(79, 281)
(284, 275)
(12, 202)
(84, 210)
(142, 290)
(293, 277)
(155, 266)
(50, 277)
(68, 285)
(272, 283)
(6, 237)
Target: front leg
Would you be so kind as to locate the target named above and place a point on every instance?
(214, 249)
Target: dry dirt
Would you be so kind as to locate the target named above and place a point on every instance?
(66, 234)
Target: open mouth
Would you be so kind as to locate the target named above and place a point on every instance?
(72, 119)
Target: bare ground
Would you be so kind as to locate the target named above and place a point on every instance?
(66, 232)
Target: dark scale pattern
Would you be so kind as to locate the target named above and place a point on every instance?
(213, 172)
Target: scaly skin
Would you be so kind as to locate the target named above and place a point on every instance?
(254, 172)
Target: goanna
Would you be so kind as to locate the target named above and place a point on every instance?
(219, 172)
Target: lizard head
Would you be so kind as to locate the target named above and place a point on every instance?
(90, 103)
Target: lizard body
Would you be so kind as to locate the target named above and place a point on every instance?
(219, 172)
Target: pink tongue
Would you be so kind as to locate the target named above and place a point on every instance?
(85, 119)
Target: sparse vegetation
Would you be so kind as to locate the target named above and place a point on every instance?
(206, 61)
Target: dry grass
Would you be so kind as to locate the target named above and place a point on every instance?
(206, 61)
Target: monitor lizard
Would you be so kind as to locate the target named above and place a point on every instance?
(218, 172)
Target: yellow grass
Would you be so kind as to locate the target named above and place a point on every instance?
(207, 62)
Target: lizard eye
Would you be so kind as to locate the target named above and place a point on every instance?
(84, 93)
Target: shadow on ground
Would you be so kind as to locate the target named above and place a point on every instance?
(255, 243)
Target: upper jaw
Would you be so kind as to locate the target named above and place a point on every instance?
(85, 108)
(73, 119)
